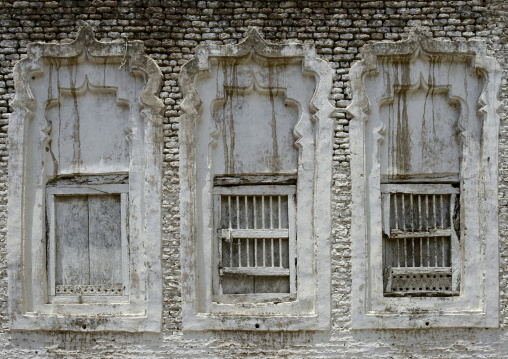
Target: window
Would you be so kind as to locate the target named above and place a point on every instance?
(421, 229)
(256, 242)
(84, 188)
(255, 179)
(87, 242)
(424, 185)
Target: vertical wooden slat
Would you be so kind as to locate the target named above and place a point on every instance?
(273, 252)
(434, 214)
(239, 252)
(246, 227)
(264, 252)
(443, 264)
(271, 227)
(246, 214)
(280, 213)
(403, 210)
(71, 241)
(421, 251)
(411, 213)
(280, 252)
(271, 212)
(442, 210)
(230, 239)
(104, 220)
(387, 218)
(255, 214)
(263, 227)
(428, 252)
(398, 252)
(263, 212)
(420, 223)
(395, 208)
(229, 211)
(255, 252)
(436, 251)
(247, 240)
(405, 252)
(238, 212)
(427, 219)
(413, 253)
(254, 223)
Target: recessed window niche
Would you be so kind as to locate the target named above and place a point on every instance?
(424, 158)
(84, 188)
(256, 143)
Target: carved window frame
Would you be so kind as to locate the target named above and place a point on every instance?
(477, 303)
(311, 308)
(29, 304)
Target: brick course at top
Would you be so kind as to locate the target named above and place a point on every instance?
(170, 31)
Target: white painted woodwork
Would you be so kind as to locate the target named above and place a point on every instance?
(424, 128)
(105, 239)
(88, 240)
(72, 257)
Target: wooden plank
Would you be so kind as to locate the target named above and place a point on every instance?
(105, 239)
(74, 179)
(255, 233)
(397, 233)
(71, 241)
(254, 180)
(385, 213)
(419, 188)
(256, 298)
(421, 270)
(72, 190)
(256, 271)
(427, 177)
(261, 190)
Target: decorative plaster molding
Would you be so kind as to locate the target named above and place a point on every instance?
(40, 79)
(254, 70)
(469, 79)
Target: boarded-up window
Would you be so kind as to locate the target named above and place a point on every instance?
(421, 231)
(256, 239)
(87, 240)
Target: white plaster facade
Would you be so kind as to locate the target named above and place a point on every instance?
(171, 30)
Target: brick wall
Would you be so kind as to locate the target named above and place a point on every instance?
(170, 31)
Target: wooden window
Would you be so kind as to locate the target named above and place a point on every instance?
(255, 241)
(421, 233)
(87, 246)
